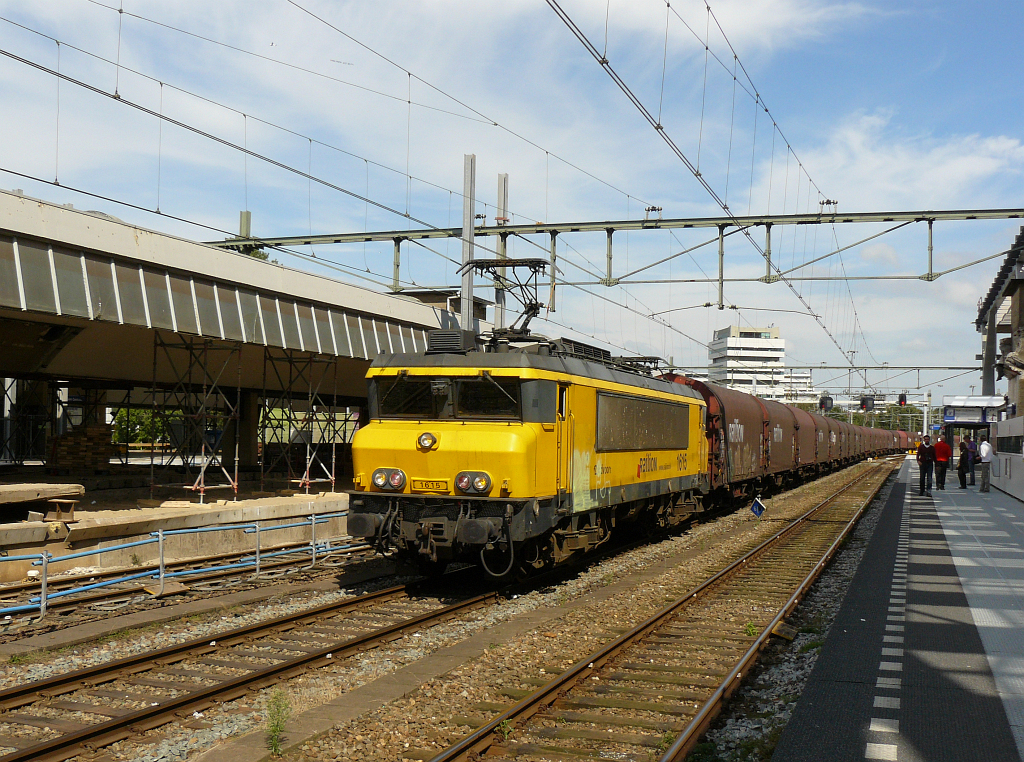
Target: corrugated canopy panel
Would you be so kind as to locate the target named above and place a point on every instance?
(39, 276)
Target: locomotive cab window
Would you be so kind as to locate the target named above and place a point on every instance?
(424, 397)
(487, 397)
(405, 397)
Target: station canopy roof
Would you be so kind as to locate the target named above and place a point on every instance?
(979, 401)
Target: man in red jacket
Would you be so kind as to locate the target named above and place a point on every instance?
(943, 454)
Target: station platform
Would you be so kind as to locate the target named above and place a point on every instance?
(198, 530)
(925, 660)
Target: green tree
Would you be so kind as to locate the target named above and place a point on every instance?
(141, 425)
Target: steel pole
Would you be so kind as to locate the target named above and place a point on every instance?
(988, 366)
(397, 266)
(554, 257)
(160, 544)
(721, 267)
(502, 218)
(468, 210)
(43, 582)
(608, 255)
(931, 275)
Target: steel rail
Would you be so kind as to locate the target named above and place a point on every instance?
(57, 581)
(56, 585)
(116, 729)
(485, 736)
(11, 698)
(687, 740)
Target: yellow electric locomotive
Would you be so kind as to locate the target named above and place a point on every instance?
(520, 457)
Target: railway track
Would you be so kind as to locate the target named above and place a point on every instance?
(653, 691)
(225, 570)
(61, 717)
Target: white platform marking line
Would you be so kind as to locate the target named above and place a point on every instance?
(897, 603)
(880, 751)
(880, 725)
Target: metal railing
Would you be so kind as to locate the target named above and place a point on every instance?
(319, 551)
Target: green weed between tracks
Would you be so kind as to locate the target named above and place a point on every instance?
(278, 711)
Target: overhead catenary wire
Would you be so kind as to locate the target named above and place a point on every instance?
(409, 177)
(476, 115)
(279, 62)
(667, 139)
(244, 149)
(853, 305)
(330, 264)
(319, 260)
(753, 93)
(246, 117)
(210, 136)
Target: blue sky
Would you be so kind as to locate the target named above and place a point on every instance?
(916, 107)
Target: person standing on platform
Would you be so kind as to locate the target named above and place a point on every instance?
(943, 454)
(972, 457)
(961, 464)
(985, 456)
(925, 462)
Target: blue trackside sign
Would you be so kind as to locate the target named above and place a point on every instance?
(757, 508)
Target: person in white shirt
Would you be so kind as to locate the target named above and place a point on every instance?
(985, 456)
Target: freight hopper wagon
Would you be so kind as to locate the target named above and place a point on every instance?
(522, 459)
(756, 446)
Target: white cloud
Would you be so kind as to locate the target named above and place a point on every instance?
(518, 65)
(880, 252)
(868, 164)
(751, 25)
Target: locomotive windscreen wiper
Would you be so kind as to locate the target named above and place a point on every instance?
(402, 374)
(504, 391)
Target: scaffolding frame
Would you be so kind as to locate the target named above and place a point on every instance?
(24, 424)
(201, 396)
(316, 424)
(123, 449)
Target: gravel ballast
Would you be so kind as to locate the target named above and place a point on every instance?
(423, 723)
(750, 726)
(435, 715)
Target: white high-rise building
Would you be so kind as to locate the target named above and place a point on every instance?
(753, 360)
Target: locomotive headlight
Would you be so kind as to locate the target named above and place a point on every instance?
(396, 479)
(473, 481)
(380, 478)
(426, 440)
